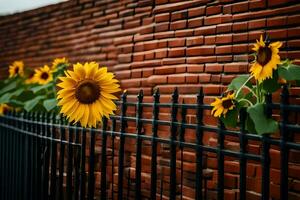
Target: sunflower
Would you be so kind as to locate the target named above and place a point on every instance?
(30, 77)
(266, 60)
(43, 75)
(223, 105)
(58, 62)
(17, 68)
(3, 109)
(86, 94)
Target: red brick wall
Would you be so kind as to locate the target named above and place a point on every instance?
(162, 44)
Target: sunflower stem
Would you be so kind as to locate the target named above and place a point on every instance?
(239, 90)
(249, 102)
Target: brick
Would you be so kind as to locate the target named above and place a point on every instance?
(162, 17)
(213, 67)
(240, 7)
(256, 24)
(212, 10)
(201, 59)
(195, 12)
(162, 53)
(178, 15)
(178, 25)
(224, 49)
(209, 40)
(195, 41)
(163, 35)
(195, 22)
(224, 28)
(240, 26)
(165, 70)
(257, 4)
(178, 42)
(162, 27)
(224, 39)
(276, 21)
(184, 33)
(206, 30)
(157, 79)
(176, 52)
(195, 68)
(176, 78)
(204, 50)
(138, 57)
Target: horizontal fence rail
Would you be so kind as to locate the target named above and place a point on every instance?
(44, 157)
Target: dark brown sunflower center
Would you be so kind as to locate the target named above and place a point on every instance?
(87, 92)
(16, 70)
(264, 55)
(45, 75)
(227, 103)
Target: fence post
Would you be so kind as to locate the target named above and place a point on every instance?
(139, 110)
(91, 177)
(243, 160)
(82, 168)
(265, 162)
(103, 159)
(61, 156)
(283, 139)
(53, 158)
(122, 143)
(199, 152)
(70, 162)
(220, 186)
(181, 146)
(173, 129)
(155, 112)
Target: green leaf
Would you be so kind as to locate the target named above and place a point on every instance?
(49, 104)
(271, 85)
(40, 87)
(7, 97)
(16, 103)
(231, 118)
(8, 87)
(289, 72)
(29, 105)
(250, 127)
(261, 122)
(237, 82)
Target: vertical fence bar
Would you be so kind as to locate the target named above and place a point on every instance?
(22, 160)
(30, 158)
(47, 155)
(38, 157)
(61, 158)
(113, 129)
(199, 152)
(154, 144)
(82, 168)
(181, 139)
(91, 177)
(283, 148)
(139, 110)
(173, 129)
(12, 158)
(265, 162)
(70, 163)
(243, 161)
(17, 156)
(220, 186)
(122, 143)
(53, 157)
(103, 159)
(77, 164)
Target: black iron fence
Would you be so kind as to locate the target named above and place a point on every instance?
(43, 157)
